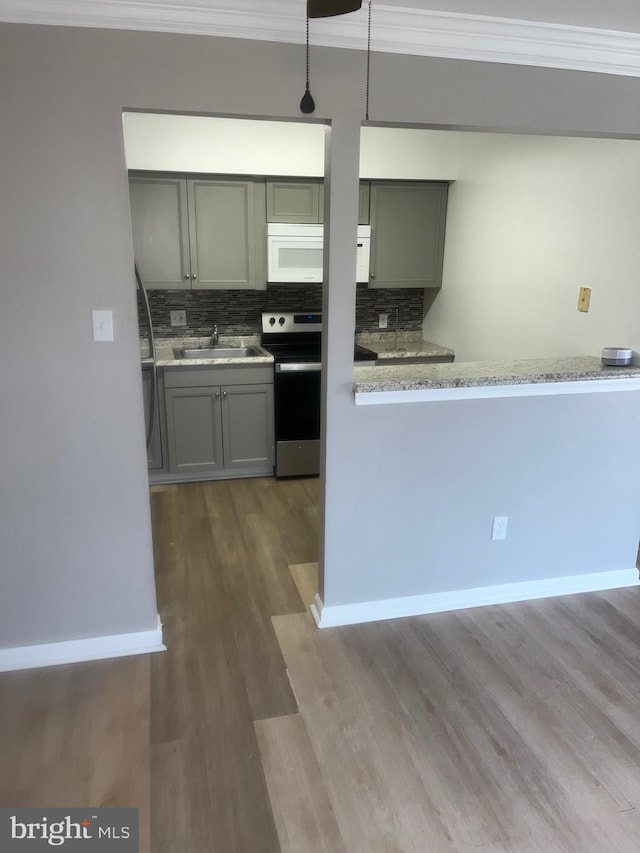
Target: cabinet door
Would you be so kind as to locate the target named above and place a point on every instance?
(247, 418)
(154, 449)
(222, 234)
(407, 234)
(294, 201)
(160, 230)
(363, 203)
(194, 430)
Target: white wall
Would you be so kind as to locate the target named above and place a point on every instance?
(531, 219)
(182, 143)
(409, 154)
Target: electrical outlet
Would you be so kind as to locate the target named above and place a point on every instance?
(583, 299)
(383, 321)
(178, 318)
(499, 529)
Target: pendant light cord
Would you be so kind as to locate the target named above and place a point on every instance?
(307, 104)
(366, 112)
(307, 52)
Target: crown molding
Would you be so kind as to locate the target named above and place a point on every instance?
(396, 29)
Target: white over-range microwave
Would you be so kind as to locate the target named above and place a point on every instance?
(295, 252)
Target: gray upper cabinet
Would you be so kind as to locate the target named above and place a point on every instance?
(160, 231)
(297, 202)
(223, 234)
(363, 203)
(303, 202)
(199, 233)
(407, 234)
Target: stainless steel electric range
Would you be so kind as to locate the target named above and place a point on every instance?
(293, 338)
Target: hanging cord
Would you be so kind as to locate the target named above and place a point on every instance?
(366, 112)
(307, 104)
(307, 88)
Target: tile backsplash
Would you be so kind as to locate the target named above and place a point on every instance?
(408, 300)
(238, 312)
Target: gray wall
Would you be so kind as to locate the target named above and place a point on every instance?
(75, 551)
(440, 475)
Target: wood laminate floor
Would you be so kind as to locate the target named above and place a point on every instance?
(222, 553)
(508, 729)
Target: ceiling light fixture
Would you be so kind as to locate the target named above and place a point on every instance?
(329, 8)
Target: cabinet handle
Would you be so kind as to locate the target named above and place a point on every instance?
(186, 276)
(224, 393)
(217, 393)
(373, 275)
(193, 276)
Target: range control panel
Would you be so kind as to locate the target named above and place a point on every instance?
(291, 321)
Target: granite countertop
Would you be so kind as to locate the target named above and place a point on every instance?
(404, 345)
(386, 345)
(486, 373)
(166, 357)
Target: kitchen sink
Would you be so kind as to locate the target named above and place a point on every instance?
(220, 352)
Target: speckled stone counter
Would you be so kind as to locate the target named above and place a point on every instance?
(467, 380)
(405, 345)
(166, 355)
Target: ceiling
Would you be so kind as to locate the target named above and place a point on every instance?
(584, 35)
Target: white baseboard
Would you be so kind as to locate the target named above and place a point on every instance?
(74, 651)
(437, 602)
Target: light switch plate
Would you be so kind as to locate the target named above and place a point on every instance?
(102, 325)
(583, 299)
(383, 320)
(178, 318)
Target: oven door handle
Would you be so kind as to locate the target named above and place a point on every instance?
(299, 367)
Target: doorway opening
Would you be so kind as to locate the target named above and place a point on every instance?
(203, 192)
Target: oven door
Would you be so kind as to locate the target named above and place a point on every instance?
(297, 415)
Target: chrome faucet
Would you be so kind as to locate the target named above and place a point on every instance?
(214, 335)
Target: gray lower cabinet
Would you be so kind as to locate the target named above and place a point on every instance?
(219, 430)
(407, 234)
(199, 233)
(154, 448)
(194, 430)
(247, 426)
